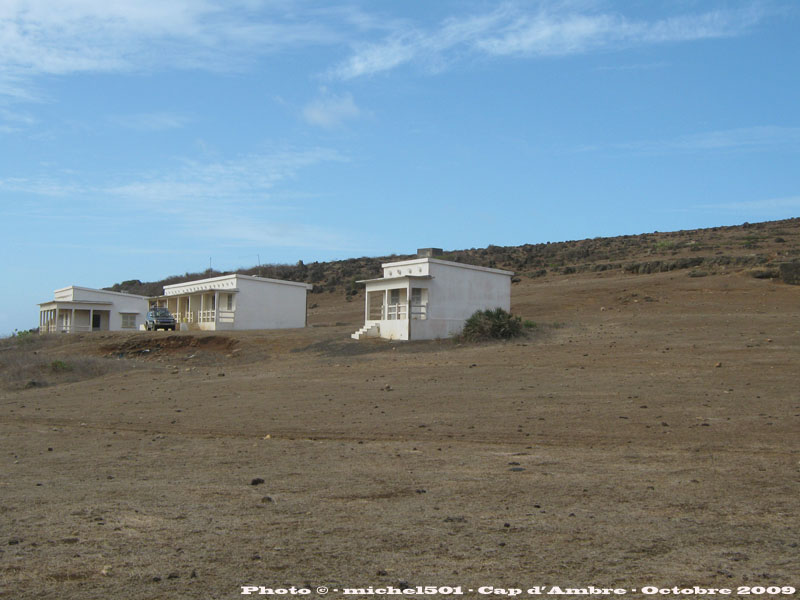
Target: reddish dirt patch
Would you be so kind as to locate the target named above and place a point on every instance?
(149, 346)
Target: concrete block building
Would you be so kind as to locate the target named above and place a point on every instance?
(236, 302)
(428, 298)
(77, 309)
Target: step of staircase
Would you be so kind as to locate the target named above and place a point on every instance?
(364, 331)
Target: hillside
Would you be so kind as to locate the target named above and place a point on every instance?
(758, 246)
(643, 433)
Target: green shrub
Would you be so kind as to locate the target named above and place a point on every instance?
(23, 337)
(494, 324)
(60, 365)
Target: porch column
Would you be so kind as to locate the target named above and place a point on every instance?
(91, 319)
(385, 307)
(366, 305)
(72, 322)
(216, 308)
(58, 316)
(408, 308)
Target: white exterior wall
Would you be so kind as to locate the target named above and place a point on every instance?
(122, 303)
(268, 305)
(110, 306)
(258, 303)
(454, 292)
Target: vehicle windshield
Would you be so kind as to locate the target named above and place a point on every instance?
(161, 312)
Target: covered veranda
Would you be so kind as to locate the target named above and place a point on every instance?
(206, 309)
(391, 304)
(66, 316)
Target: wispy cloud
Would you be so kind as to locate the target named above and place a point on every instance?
(727, 140)
(78, 36)
(230, 203)
(767, 206)
(546, 30)
(202, 185)
(158, 121)
(331, 110)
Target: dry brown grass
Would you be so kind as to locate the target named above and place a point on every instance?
(31, 361)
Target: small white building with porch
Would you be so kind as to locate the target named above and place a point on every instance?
(77, 309)
(236, 302)
(428, 298)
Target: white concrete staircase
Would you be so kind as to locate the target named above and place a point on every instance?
(370, 330)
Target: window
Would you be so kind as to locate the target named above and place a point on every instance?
(230, 302)
(128, 320)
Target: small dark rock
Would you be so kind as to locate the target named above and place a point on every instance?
(267, 499)
(257, 481)
(173, 576)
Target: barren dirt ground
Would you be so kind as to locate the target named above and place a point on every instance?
(645, 433)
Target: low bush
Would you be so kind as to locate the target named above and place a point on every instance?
(495, 324)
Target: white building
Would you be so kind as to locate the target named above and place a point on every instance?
(237, 302)
(75, 309)
(428, 298)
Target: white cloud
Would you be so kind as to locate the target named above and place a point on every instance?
(159, 121)
(234, 202)
(549, 30)
(331, 110)
(74, 36)
(204, 185)
(739, 139)
(769, 206)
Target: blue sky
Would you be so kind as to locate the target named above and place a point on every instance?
(146, 138)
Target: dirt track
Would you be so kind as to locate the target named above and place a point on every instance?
(645, 433)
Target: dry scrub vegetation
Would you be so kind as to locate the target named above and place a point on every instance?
(644, 433)
(30, 361)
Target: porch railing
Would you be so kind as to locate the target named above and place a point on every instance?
(56, 328)
(206, 316)
(394, 312)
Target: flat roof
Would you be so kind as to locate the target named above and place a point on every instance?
(88, 289)
(308, 286)
(397, 278)
(93, 302)
(449, 263)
